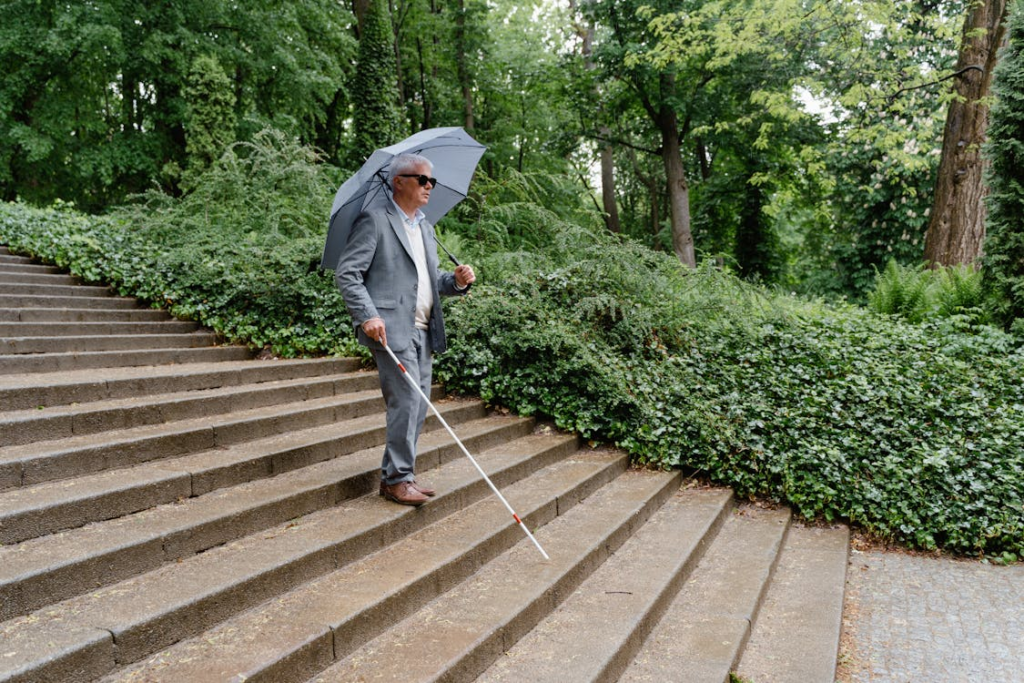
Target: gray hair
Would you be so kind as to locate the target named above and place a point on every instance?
(404, 163)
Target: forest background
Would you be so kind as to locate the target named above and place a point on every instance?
(682, 208)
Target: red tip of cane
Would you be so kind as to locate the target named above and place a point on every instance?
(516, 517)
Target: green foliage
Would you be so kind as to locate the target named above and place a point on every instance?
(1004, 240)
(240, 254)
(959, 290)
(913, 432)
(902, 290)
(210, 123)
(93, 103)
(917, 294)
(374, 91)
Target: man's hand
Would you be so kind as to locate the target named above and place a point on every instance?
(464, 276)
(374, 329)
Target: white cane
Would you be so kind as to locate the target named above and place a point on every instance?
(416, 386)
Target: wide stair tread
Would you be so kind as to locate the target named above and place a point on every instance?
(635, 585)
(13, 346)
(144, 614)
(796, 636)
(83, 315)
(65, 361)
(60, 565)
(459, 634)
(19, 392)
(703, 631)
(23, 300)
(56, 290)
(58, 422)
(26, 330)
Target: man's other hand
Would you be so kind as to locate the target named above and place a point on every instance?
(374, 329)
(464, 276)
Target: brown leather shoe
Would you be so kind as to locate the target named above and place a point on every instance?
(424, 489)
(404, 493)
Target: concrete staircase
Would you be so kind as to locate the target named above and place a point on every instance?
(172, 510)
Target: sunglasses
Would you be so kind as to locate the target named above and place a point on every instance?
(421, 179)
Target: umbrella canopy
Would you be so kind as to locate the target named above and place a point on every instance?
(452, 151)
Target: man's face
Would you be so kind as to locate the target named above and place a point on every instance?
(409, 192)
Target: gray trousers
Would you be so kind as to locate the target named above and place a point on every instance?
(406, 410)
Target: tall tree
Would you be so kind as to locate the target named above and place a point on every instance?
(877, 72)
(210, 124)
(93, 106)
(1004, 242)
(375, 89)
(957, 225)
(596, 109)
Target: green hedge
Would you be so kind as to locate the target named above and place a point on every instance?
(915, 432)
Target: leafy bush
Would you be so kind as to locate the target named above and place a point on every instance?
(1004, 231)
(917, 294)
(240, 254)
(902, 290)
(915, 432)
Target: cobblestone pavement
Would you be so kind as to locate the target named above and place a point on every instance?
(911, 618)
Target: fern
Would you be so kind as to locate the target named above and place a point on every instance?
(959, 290)
(904, 291)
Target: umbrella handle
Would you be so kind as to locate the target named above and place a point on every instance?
(450, 254)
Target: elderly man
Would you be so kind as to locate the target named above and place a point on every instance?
(389, 277)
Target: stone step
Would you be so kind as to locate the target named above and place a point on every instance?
(303, 631)
(83, 315)
(461, 633)
(703, 631)
(9, 258)
(79, 419)
(276, 480)
(85, 636)
(65, 362)
(79, 302)
(93, 329)
(35, 277)
(52, 291)
(636, 585)
(27, 266)
(44, 390)
(43, 461)
(796, 636)
(59, 345)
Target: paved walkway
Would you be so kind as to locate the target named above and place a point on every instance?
(911, 618)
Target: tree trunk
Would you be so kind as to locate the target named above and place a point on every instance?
(956, 228)
(678, 189)
(397, 30)
(611, 207)
(608, 199)
(462, 67)
(359, 10)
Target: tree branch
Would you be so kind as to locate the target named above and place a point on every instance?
(972, 67)
(618, 141)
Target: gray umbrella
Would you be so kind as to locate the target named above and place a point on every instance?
(454, 155)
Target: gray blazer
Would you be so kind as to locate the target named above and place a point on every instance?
(377, 278)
